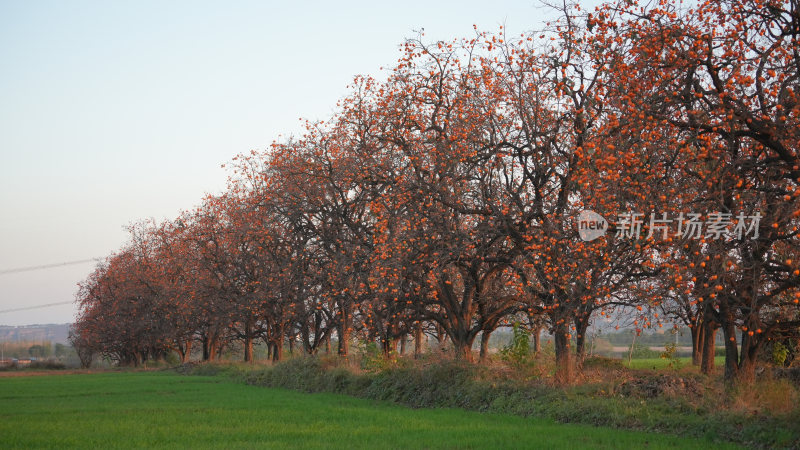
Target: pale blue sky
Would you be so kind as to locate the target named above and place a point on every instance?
(111, 112)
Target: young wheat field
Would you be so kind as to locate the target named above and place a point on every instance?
(167, 410)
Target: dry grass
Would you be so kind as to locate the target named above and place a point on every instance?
(766, 396)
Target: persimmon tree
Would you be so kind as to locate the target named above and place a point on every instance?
(722, 80)
(323, 202)
(431, 118)
(213, 278)
(122, 305)
(81, 340)
(175, 267)
(541, 164)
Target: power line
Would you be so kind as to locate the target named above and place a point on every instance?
(47, 266)
(25, 308)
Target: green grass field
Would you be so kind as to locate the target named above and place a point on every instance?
(163, 409)
(658, 363)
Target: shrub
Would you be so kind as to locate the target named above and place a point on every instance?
(779, 354)
(517, 352)
(373, 360)
(670, 354)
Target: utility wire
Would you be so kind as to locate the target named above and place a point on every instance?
(42, 267)
(47, 266)
(25, 308)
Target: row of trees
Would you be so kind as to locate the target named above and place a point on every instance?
(445, 200)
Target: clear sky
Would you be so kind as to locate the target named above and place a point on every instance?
(112, 112)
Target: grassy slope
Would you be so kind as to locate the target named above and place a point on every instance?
(167, 410)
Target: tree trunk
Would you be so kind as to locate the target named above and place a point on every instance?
(748, 360)
(344, 333)
(698, 342)
(463, 351)
(708, 350)
(580, 349)
(305, 338)
(137, 359)
(581, 327)
(633, 344)
(387, 345)
(462, 339)
(485, 336)
(209, 348)
(248, 348)
(344, 338)
(418, 341)
(277, 342)
(403, 345)
(277, 350)
(747, 373)
(731, 353)
(185, 351)
(328, 344)
(537, 339)
(564, 364)
(731, 347)
(441, 335)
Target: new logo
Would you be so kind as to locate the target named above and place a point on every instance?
(591, 225)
